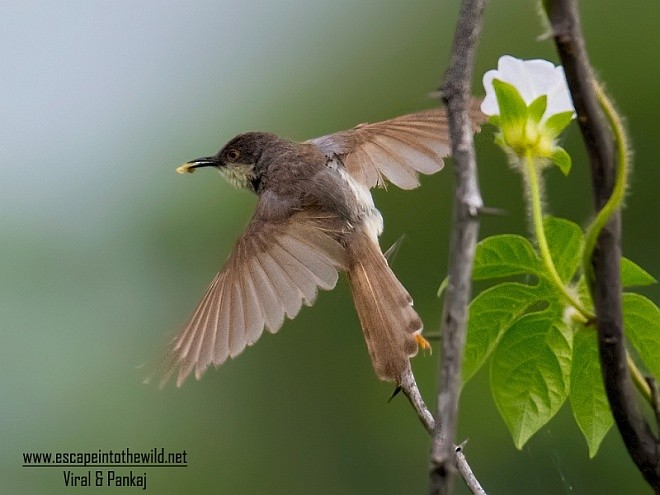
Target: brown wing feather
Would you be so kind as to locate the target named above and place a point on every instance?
(275, 268)
(396, 149)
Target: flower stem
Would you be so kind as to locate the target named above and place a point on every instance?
(534, 188)
(615, 200)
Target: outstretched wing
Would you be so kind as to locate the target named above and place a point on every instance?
(275, 267)
(396, 149)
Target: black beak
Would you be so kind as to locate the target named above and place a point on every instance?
(207, 161)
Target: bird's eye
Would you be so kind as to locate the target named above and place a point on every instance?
(233, 155)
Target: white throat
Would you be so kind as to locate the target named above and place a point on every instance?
(238, 175)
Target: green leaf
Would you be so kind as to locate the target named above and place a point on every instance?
(529, 373)
(641, 319)
(566, 242)
(513, 109)
(558, 122)
(588, 400)
(491, 314)
(494, 120)
(536, 109)
(634, 275)
(562, 159)
(504, 256)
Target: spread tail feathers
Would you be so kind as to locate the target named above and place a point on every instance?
(391, 326)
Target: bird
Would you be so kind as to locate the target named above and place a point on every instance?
(314, 218)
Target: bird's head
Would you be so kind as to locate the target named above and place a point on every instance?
(237, 160)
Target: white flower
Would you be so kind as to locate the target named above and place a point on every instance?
(532, 78)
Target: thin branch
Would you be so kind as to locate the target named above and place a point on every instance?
(409, 388)
(456, 93)
(466, 472)
(636, 433)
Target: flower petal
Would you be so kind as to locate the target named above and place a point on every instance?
(541, 76)
(532, 79)
(559, 98)
(513, 71)
(489, 104)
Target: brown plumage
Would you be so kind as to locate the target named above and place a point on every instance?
(315, 217)
(385, 309)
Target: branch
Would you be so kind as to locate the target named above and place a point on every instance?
(655, 397)
(466, 471)
(455, 93)
(409, 388)
(635, 431)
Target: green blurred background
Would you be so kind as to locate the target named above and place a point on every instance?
(106, 250)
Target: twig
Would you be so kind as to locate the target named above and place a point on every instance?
(409, 388)
(456, 93)
(466, 472)
(636, 433)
